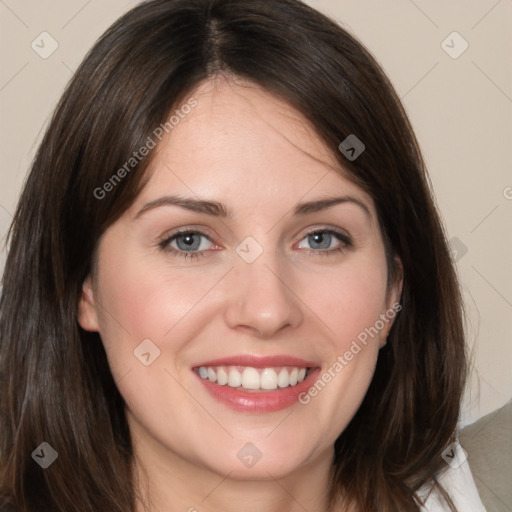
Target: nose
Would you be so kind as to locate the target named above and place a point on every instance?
(262, 300)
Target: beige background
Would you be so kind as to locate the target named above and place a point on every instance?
(461, 109)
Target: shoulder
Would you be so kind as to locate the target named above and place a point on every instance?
(458, 483)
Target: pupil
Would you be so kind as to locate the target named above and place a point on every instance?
(188, 242)
(322, 240)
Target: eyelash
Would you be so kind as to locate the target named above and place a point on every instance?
(164, 245)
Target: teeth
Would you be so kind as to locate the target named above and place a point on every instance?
(235, 378)
(254, 378)
(212, 376)
(283, 379)
(222, 377)
(251, 379)
(268, 379)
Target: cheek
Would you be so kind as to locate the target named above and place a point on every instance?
(350, 301)
(143, 299)
(351, 298)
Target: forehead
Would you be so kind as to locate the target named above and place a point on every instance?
(241, 143)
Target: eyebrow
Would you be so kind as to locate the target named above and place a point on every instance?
(217, 209)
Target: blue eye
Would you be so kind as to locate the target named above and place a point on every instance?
(186, 244)
(190, 244)
(325, 241)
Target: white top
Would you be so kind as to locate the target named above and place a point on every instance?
(458, 482)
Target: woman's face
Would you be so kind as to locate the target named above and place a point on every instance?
(280, 283)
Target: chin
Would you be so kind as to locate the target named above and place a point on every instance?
(255, 461)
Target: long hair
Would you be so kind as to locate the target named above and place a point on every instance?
(56, 386)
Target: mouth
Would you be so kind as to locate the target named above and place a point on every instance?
(255, 384)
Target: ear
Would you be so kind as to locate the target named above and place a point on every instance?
(394, 295)
(87, 312)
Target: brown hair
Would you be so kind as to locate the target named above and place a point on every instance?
(56, 385)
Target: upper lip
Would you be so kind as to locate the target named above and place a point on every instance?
(259, 361)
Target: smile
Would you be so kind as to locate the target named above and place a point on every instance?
(247, 383)
(249, 378)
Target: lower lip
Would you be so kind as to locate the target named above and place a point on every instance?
(259, 401)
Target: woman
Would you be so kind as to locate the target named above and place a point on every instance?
(227, 284)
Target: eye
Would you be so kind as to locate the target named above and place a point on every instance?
(187, 244)
(190, 244)
(325, 241)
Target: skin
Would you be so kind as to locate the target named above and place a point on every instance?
(258, 156)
